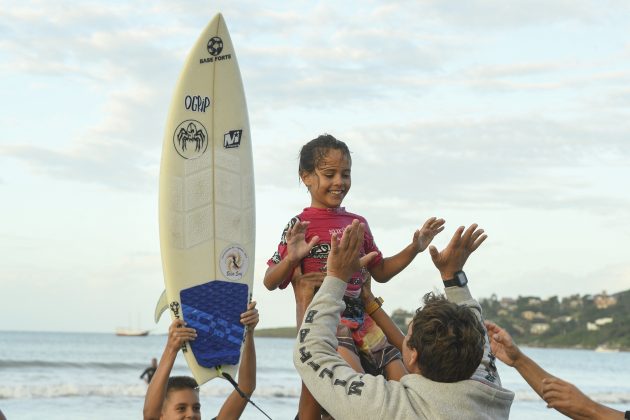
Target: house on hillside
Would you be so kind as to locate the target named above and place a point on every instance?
(603, 301)
(539, 328)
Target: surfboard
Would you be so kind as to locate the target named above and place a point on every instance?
(206, 204)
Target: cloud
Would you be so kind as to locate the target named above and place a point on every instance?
(84, 165)
(518, 163)
(127, 67)
(120, 151)
(500, 15)
(360, 69)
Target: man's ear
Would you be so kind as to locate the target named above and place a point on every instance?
(413, 358)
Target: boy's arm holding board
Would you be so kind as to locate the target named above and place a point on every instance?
(178, 335)
(234, 405)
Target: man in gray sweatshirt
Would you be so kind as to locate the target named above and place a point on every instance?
(451, 370)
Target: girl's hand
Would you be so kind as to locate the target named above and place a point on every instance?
(250, 317)
(297, 247)
(423, 237)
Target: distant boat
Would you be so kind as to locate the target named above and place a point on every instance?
(605, 349)
(130, 332)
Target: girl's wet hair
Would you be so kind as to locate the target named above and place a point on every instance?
(315, 150)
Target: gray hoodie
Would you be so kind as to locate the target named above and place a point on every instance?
(347, 395)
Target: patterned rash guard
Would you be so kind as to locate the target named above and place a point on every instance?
(357, 331)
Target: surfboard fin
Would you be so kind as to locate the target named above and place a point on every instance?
(160, 307)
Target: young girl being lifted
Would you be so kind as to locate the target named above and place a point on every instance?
(325, 169)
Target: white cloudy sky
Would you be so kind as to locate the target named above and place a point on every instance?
(515, 115)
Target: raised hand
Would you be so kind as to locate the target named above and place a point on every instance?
(344, 258)
(570, 401)
(452, 258)
(297, 247)
(423, 236)
(502, 345)
(250, 317)
(179, 334)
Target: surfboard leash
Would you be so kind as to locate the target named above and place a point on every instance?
(241, 393)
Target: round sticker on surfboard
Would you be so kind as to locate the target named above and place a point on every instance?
(234, 262)
(190, 139)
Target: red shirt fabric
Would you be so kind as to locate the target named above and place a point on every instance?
(323, 223)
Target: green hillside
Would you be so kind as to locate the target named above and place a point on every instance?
(588, 321)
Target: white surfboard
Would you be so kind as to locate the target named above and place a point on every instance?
(206, 204)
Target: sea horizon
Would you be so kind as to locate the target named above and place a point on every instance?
(57, 375)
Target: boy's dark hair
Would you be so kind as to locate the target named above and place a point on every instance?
(177, 383)
(315, 150)
(449, 339)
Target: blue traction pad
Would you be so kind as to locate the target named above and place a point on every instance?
(214, 309)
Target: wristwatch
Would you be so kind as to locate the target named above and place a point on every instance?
(459, 280)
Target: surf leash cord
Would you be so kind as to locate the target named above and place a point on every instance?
(241, 393)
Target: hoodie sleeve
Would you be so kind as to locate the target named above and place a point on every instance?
(333, 383)
(487, 371)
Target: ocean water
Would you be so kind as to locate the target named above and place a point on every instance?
(96, 376)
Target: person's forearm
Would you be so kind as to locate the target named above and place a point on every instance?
(156, 392)
(607, 413)
(390, 266)
(276, 274)
(590, 410)
(531, 372)
(247, 370)
(234, 404)
(335, 385)
(390, 329)
(486, 371)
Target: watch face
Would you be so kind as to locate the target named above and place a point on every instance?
(461, 279)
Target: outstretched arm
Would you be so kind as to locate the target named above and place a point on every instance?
(559, 394)
(234, 405)
(449, 261)
(570, 401)
(504, 348)
(297, 249)
(390, 266)
(178, 334)
(335, 385)
(382, 319)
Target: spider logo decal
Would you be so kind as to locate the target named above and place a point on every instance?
(190, 139)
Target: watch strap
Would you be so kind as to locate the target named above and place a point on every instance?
(457, 280)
